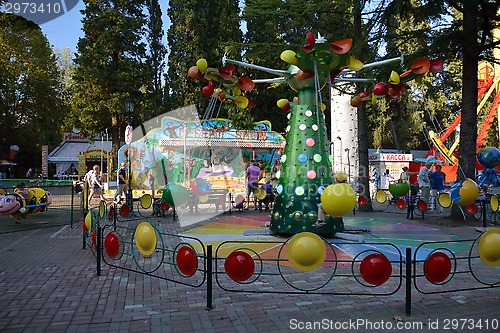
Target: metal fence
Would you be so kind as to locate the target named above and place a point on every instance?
(138, 241)
(43, 204)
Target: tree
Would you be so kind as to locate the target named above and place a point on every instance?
(110, 65)
(199, 29)
(30, 90)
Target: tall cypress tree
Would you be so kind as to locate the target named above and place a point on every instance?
(109, 67)
(199, 29)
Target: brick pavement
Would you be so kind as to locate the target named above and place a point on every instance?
(49, 284)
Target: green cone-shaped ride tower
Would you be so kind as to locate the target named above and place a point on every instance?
(306, 167)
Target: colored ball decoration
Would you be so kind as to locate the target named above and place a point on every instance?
(401, 203)
(200, 186)
(88, 222)
(175, 195)
(489, 157)
(239, 266)
(399, 189)
(489, 247)
(464, 193)
(362, 200)
(146, 201)
(311, 174)
(437, 267)
(338, 199)
(186, 260)
(145, 238)
(306, 251)
(112, 245)
(309, 142)
(125, 210)
(375, 269)
(94, 238)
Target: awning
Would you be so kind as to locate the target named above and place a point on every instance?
(68, 151)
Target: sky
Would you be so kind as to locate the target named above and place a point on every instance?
(65, 30)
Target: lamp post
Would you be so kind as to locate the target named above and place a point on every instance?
(129, 111)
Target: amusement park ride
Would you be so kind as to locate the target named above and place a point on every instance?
(306, 189)
(24, 201)
(488, 86)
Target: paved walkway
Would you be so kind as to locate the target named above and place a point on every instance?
(49, 284)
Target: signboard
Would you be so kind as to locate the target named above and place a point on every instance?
(128, 134)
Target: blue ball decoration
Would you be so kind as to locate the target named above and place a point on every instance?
(489, 157)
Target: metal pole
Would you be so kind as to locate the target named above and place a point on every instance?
(408, 281)
(209, 277)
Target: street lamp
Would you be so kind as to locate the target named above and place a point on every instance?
(129, 111)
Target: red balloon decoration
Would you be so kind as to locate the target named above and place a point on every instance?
(362, 200)
(112, 245)
(239, 266)
(186, 260)
(437, 267)
(471, 208)
(375, 269)
(422, 205)
(125, 210)
(401, 203)
(164, 206)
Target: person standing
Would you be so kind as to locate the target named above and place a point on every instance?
(253, 175)
(122, 183)
(424, 182)
(375, 178)
(438, 178)
(96, 185)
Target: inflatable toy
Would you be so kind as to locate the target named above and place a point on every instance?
(19, 205)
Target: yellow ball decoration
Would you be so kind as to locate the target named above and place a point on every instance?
(489, 247)
(469, 192)
(289, 57)
(145, 238)
(338, 199)
(306, 251)
(202, 65)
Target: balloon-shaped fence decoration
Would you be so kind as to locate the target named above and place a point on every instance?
(489, 247)
(438, 266)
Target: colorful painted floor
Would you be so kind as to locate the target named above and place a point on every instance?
(252, 232)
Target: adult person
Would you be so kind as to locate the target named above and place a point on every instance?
(122, 183)
(253, 175)
(375, 178)
(438, 178)
(424, 182)
(96, 185)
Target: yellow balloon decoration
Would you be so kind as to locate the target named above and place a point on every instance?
(260, 194)
(289, 57)
(494, 203)
(282, 102)
(146, 201)
(236, 91)
(338, 199)
(145, 238)
(469, 192)
(489, 247)
(306, 251)
(241, 102)
(202, 65)
(394, 78)
(102, 209)
(354, 64)
(444, 200)
(203, 198)
(381, 196)
(88, 221)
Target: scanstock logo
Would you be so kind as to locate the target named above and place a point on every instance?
(39, 11)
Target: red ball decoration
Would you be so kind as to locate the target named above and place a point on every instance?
(125, 210)
(186, 260)
(437, 267)
(112, 245)
(94, 238)
(164, 206)
(380, 89)
(239, 266)
(401, 203)
(362, 200)
(375, 269)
